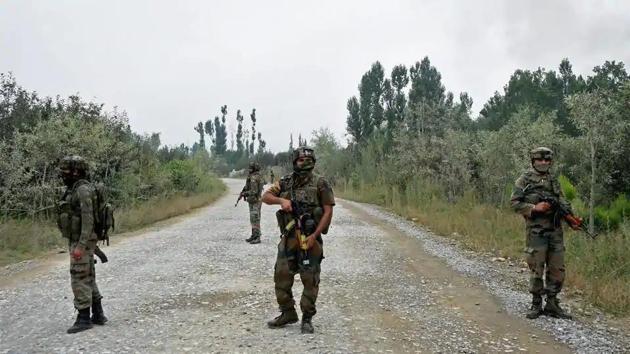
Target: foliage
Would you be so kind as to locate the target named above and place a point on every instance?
(133, 166)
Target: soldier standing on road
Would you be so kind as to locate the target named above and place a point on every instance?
(251, 192)
(76, 222)
(272, 176)
(314, 197)
(545, 242)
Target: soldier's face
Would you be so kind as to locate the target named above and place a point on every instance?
(542, 164)
(69, 176)
(303, 160)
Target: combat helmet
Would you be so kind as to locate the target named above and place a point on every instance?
(541, 153)
(74, 162)
(254, 166)
(303, 151)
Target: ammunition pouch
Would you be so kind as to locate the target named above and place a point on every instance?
(283, 220)
(64, 219)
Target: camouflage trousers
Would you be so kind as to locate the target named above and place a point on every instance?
(545, 257)
(83, 277)
(254, 218)
(287, 266)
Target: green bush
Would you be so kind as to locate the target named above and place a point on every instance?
(184, 175)
(569, 190)
(611, 217)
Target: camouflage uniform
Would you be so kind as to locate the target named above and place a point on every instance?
(252, 192)
(315, 192)
(272, 177)
(545, 243)
(77, 224)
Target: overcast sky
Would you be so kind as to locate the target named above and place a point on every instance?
(170, 64)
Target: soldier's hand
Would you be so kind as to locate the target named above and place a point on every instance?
(77, 253)
(310, 241)
(575, 222)
(286, 206)
(541, 208)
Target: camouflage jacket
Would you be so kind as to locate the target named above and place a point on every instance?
(75, 213)
(253, 187)
(527, 193)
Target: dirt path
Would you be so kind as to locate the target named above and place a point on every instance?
(196, 286)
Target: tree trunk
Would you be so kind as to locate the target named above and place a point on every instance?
(41, 190)
(591, 202)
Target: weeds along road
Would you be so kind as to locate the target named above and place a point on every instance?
(194, 285)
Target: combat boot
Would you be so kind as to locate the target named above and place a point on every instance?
(553, 309)
(82, 323)
(536, 309)
(307, 326)
(285, 318)
(250, 238)
(255, 240)
(98, 317)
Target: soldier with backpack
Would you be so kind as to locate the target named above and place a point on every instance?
(83, 218)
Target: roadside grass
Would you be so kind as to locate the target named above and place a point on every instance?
(26, 239)
(149, 212)
(598, 270)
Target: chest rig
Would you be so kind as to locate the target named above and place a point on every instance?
(303, 194)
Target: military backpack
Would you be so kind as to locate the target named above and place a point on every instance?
(103, 213)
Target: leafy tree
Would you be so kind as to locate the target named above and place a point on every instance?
(353, 121)
(595, 117)
(239, 132)
(399, 81)
(611, 76)
(209, 129)
(426, 84)
(252, 116)
(199, 128)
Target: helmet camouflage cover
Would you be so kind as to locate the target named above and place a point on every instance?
(254, 166)
(73, 162)
(303, 151)
(541, 153)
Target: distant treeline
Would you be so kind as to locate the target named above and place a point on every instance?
(236, 151)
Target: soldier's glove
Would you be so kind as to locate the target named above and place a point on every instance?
(541, 208)
(575, 222)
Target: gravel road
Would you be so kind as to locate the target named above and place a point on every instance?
(193, 285)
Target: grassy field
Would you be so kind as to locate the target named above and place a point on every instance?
(599, 270)
(25, 239)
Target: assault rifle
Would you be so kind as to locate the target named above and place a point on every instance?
(100, 254)
(240, 196)
(564, 213)
(304, 225)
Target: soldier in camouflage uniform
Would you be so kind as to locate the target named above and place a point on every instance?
(272, 177)
(545, 242)
(76, 222)
(252, 191)
(315, 199)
